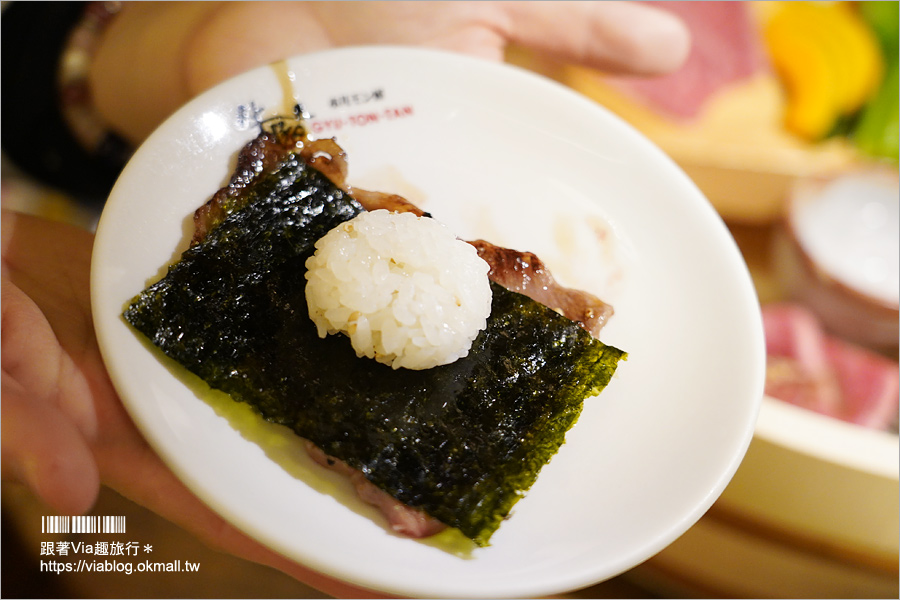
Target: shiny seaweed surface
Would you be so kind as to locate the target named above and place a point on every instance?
(463, 442)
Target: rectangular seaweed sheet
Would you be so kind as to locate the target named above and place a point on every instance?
(463, 441)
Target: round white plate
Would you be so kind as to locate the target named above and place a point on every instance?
(496, 153)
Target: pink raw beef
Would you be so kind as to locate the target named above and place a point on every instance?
(869, 382)
(725, 48)
(809, 368)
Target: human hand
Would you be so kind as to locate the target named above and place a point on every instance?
(156, 56)
(50, 367)
(64, 428)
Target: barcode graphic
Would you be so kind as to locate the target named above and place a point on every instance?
(82, 524)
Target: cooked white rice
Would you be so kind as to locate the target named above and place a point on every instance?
(405, 290)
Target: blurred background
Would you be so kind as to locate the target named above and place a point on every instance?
(786, 117)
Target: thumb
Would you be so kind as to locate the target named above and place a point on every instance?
(44, 450)
(617, 37)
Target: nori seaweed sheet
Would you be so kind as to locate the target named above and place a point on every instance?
(463, 441)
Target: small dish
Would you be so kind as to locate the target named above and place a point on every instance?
(495, 153)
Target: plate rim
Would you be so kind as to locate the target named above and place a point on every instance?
(585, 578)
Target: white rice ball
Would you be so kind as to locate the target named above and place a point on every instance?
(405, 290)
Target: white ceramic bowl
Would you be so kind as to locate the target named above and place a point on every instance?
(499, 154)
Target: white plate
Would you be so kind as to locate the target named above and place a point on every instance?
(497, 153)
